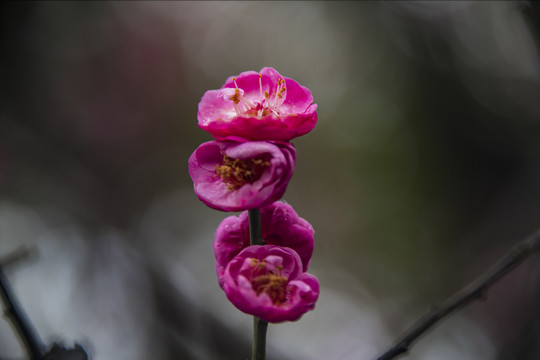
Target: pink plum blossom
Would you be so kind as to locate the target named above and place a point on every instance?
(280, 225)
(267, 281)
(258, 106)
(236, 176)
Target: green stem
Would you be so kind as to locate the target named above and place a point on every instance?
(259, 326)
(259, 339)
(255, 234)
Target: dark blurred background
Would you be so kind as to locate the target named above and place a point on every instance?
(422, 171)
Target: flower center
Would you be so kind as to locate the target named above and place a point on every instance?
(265, 104)
(236, 173)
(271, 283)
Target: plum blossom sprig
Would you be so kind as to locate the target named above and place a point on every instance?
(263, 254)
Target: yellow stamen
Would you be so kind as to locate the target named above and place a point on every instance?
(236, 96)
(236, 173)
(275, 286)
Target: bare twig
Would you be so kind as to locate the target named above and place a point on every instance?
(14, 312)
(473, 291)
(16, 256)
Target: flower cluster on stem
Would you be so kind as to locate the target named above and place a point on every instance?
(263, 254)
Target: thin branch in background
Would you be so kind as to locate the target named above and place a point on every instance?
(474, 291)
(22, 253)
(24, 329)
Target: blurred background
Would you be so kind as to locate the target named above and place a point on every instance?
(422, 171)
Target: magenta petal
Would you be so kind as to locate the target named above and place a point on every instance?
(298, 97)
(232, 235)
(282, 226)
(218, 194)
(269, 107)
(293, 292)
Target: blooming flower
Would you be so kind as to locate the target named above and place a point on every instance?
(267, 281)
(236, 176)
(258, 106)
(280, 225)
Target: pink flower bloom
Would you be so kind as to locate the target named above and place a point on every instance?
(258, 106)
(236, 176)
(280, 225)
(267, 281)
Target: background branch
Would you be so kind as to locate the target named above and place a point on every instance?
(14, 312)
(473, 291)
